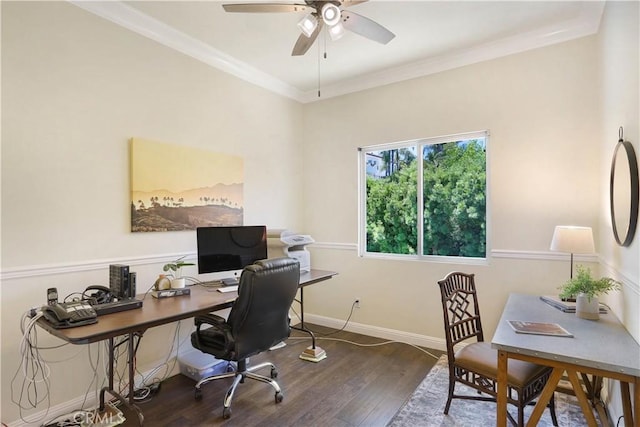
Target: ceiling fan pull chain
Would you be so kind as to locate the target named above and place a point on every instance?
(319, 50)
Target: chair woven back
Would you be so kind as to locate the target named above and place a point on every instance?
(460, 309)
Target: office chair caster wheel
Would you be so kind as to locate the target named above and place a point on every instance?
(198, 394)
(226, 413)
(274, 373)
(279, 397)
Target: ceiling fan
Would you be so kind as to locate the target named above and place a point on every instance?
(319, 14)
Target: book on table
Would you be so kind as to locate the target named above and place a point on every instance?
(539, 328)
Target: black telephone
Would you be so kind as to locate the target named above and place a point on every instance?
(69, 314)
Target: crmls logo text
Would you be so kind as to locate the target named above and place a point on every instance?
(97, 418)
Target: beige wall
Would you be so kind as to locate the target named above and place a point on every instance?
(75, 88)
(619, 85)
(618, 47)
(541, 110)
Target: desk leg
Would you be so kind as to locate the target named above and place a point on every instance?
(502, 389)
(130, 402)
(545, 396)
(302, 310)
(109, 374)
(582, 398)
(132, 356)
(636, 401)
(627, 409)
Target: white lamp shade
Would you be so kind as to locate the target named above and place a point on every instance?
(308, 25)
(573, 239)
(336, 32)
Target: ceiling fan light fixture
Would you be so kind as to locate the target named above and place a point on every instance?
(308, 25)
(330, 14)
(336, 32)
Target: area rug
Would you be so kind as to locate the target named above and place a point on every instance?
(425, 406)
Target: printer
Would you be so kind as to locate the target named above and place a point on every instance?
(290, 244)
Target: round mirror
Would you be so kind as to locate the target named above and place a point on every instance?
(623, 193)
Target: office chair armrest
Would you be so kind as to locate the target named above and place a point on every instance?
(209, 319)
(218, 328)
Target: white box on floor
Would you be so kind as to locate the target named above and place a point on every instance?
(198, 365)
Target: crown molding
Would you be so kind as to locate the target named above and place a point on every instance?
(586, 24)
(136, 21)
(121, 14)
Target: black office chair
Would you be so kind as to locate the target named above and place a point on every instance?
(258, 320)
(476, 364)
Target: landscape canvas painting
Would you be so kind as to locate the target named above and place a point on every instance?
(174, 187)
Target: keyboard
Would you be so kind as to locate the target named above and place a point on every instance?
(228, 289)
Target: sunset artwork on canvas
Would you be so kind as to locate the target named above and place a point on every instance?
(175, 187)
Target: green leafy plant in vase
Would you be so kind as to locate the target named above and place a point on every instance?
(175, 271)
(587, 290)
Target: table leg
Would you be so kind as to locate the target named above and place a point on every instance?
(636, 401)
(109, 374)
(502, 389)
(627, 409)
(582, 398)
(131, 354)
(130, 402)
(302, 307)
(545, 396)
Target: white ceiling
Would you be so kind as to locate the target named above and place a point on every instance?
(431, 36)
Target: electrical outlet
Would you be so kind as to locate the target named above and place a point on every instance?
(357, 303)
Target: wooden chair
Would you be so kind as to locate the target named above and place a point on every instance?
(475, 365)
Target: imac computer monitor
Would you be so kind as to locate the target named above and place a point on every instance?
(230, 248)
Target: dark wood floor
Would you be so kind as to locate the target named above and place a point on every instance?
(353, 386)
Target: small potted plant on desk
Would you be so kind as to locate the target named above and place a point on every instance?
(175, 269)
(587, 290)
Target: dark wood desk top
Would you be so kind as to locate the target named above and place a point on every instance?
(314, 276)
(155, 312)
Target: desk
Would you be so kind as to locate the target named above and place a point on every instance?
(154, 312)
(603, 348)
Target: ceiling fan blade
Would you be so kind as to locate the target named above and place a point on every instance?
(366, 27)
(304, 43)
(264, 7)
(347, 3)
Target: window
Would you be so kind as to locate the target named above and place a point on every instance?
(425, 198)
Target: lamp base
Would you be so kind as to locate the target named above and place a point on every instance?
(313, 354)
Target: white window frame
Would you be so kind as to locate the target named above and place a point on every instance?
(420, 143)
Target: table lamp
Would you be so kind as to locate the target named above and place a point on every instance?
(572, 239)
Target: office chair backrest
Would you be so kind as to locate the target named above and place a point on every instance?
(460, 309)
(259, 317)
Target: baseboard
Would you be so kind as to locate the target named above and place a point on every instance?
(378, 332)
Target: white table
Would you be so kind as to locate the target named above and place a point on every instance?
(603, 348)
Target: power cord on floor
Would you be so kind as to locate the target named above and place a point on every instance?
(346, 322)
(325, 337)
(146, 393)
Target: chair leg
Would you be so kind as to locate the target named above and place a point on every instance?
(214, 377)
(264, 379)
(260, 366)
(232, 390)
(452, 385)
(521, 414)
